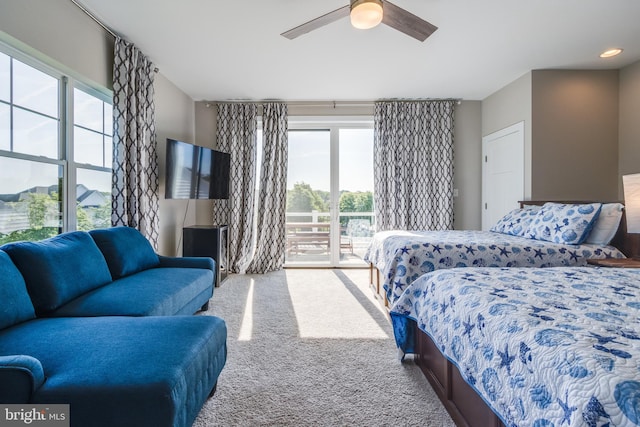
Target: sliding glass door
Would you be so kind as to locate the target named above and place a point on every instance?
(329, 193)
(355, 194)
(309, 198)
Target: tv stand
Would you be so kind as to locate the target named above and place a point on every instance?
(210, 241)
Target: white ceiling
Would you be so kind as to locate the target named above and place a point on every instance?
(232, 49)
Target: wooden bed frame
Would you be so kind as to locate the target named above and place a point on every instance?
(465, 406)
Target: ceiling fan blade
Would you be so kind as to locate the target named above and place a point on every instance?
(316, 23)
(406, 22)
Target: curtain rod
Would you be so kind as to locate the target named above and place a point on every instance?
(334, 104)
(99, 22)
(92, 16)
(457, 100)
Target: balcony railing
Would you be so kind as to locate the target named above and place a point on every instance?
(308, 236)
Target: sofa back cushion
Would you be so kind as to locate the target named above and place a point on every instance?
(59, 269)
(15, 305)
(126, 250)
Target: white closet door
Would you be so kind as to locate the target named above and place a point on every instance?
(502, 173)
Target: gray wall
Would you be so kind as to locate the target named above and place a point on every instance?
(571, 131)
(574, 135)
(330, 109)
(468, 166)
(506, 107)
(59, 34)
(629, 126)
(206, 127)
(175, 119)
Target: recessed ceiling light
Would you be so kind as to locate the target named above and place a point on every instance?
(611, 52)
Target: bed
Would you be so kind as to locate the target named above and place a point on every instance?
(397, 258)
(527, 347)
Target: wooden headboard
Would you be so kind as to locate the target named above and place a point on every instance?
(628, 244)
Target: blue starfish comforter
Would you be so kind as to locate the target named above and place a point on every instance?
(543, 347)
(403, 256)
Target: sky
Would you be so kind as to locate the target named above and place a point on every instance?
(309, 159)
(29, 124)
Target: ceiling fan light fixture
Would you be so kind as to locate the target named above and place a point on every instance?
(366, 14)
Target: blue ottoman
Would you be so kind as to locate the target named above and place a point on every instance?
(123, 371)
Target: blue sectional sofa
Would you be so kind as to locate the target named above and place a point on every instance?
(110, 272)
(71, 333)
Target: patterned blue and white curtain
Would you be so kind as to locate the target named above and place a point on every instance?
(272, 199)
(237, 135)
(413, 165)
(134, 199)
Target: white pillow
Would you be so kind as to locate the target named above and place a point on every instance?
(607, 224)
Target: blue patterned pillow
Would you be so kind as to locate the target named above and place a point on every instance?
(516, 222)
(564, 223)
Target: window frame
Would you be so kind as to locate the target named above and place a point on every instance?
(72, 165)
(67, 83)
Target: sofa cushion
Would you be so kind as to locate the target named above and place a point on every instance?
(125, 249)
(59, 269)
(15, 304)
(154, 292)
(123, 371)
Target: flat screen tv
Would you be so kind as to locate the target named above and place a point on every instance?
(195, 172)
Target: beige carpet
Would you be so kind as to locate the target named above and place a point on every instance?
(313, 348)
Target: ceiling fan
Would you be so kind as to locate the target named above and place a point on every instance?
(367, 14)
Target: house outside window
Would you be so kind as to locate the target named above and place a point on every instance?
(55, 151)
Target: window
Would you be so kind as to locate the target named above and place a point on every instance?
(92, 155)
(55, 151)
